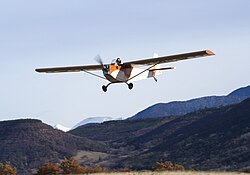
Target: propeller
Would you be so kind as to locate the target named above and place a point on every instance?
(98, 59)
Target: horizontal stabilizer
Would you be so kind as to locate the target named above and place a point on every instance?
(163, 68)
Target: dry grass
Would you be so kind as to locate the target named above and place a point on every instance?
(89, 156)
(175, 173)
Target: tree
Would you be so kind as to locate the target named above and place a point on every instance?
(48, 169)
(70, 166)
(7, 169)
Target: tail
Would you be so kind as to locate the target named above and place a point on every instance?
(156, 70)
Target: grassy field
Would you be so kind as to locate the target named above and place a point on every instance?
(175, 173)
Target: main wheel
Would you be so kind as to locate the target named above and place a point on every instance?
(104, 88)
(130, 86)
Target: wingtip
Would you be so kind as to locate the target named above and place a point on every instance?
(209, 52)
(39, 70)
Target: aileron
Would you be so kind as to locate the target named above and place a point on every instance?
(172, 58)
(69, 69)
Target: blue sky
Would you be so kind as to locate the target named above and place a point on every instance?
(62, 32)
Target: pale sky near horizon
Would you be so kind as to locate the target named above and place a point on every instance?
(52, 33)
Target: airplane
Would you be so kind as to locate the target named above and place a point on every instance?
(128, 72)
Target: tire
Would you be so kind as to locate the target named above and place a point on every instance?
(130, 86)
(104, 88)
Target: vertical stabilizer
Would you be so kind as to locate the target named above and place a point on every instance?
(155, 55)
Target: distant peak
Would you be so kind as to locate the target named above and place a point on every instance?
(244, 91)
(61, 127)
(93, 120)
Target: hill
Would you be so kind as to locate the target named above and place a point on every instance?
(214, 139)
(244, 91)
(210, 139)
(184, 107)
(29, 143)
(117, 130)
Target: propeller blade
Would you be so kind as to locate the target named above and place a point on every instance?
(98, 59)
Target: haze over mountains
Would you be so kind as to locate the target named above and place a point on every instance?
(86, 121)
(210, 139)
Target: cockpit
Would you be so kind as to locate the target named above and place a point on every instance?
(116, 62)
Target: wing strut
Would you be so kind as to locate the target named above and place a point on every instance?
(94, 74)
(144, 71)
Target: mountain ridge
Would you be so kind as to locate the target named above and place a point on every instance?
(210, 139)
(214, 139)
(243, 91)
(184, 107)
(207, 139)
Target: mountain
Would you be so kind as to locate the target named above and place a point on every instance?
(93, 120)
(117, 131)
(209, 139)
(244, 91)
(29, 143)
(184, 107)
(61, 127)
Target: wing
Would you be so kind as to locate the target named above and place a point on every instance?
(69, 69)
(168, 59)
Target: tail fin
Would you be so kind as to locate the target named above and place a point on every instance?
(155, 55)
(156, 69)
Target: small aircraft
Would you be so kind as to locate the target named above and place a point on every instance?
(128, 72)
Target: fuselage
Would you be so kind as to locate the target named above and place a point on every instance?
(116, 73)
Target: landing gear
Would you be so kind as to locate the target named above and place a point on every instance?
(130, 86)
(104, 88)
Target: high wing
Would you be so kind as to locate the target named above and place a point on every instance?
(167, 59)
(149, 61)
(69, 69)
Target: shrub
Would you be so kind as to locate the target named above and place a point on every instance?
(48, 169)
(124, 169)
(7, 169)
(70, 166)
(168, 166)
(94, 169)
